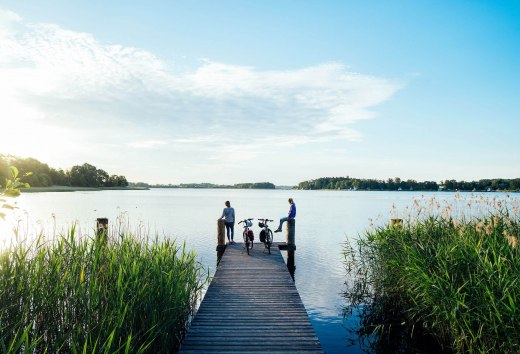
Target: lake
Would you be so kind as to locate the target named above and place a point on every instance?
(325, 219)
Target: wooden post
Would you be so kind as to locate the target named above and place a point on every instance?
(221, 239)
(101, 226)
(291, 243)
(221, 234)
(396, 222)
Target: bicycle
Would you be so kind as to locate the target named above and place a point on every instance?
(248, 234)
(266, 235)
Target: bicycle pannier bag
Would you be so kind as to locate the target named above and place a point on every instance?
(262, 236)
(250, 235)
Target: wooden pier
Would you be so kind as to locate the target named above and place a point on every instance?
(251, 305)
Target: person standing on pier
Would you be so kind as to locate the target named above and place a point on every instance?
(229, 216)
(290, 215)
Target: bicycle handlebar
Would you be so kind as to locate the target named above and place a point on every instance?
(245, 220)
(265, 219)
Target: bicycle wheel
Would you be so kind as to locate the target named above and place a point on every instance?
(269, 240)
(246, 241)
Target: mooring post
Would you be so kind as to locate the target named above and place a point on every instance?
(396, 222)
(291, 246)
(221, 233)
(221, 238)
(101, 227)
(291, 230)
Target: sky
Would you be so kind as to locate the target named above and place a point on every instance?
(263, 91)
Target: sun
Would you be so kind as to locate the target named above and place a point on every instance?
(25, 137)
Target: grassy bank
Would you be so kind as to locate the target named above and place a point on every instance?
(78, 189)
(452, 280)
(96, 296)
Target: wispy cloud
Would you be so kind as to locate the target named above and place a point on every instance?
(147, 144)
(53, 77)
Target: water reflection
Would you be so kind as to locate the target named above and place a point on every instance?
(220, 252)
(291, 265)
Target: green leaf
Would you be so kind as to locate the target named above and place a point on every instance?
(14, 171)
(8, 206)
(12, 193)
(2, 215)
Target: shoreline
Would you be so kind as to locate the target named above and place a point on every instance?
(78, 189)
(96, 189)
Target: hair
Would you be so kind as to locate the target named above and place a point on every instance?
(228, 204)
(291, 200)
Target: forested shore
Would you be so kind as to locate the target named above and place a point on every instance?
(79, 189)
(39, 174)
(396, 184)
(256, 185)
(88, 176)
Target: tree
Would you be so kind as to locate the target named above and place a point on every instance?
(83, 176)
(102, 178)
(4, 169)
(11, 189)
(117, 181)
(59, 177)
(41, 175)
(514, 184)
(121, 181)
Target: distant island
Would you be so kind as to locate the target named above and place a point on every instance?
(396, 184)
(257, 185)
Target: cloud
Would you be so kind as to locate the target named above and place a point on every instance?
(97, 92)
(147, 144)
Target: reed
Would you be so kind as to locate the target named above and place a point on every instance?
(97, 295)
(453, 279)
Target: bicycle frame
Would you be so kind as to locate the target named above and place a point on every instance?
(248, 242)
(268, 234)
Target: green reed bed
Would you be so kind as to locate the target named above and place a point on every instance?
(84, 295)
(453, 280)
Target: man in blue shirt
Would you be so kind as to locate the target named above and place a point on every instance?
(290, 215)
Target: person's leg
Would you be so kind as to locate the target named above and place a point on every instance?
(227, 231)
(282, 220)
(232, 227)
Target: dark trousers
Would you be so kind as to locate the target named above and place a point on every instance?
(230, 228)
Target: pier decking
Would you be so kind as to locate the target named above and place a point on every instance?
(251, 305)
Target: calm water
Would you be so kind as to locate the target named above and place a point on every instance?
(324, 221)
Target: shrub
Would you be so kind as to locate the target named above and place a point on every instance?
(456, 280)
(80, 294)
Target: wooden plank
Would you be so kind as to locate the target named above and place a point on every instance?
(251, 306)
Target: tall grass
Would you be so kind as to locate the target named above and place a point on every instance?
(96, 295)
(452, 279)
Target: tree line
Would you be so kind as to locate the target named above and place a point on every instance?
(256, 185)
(42, 175)
(395, 184)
